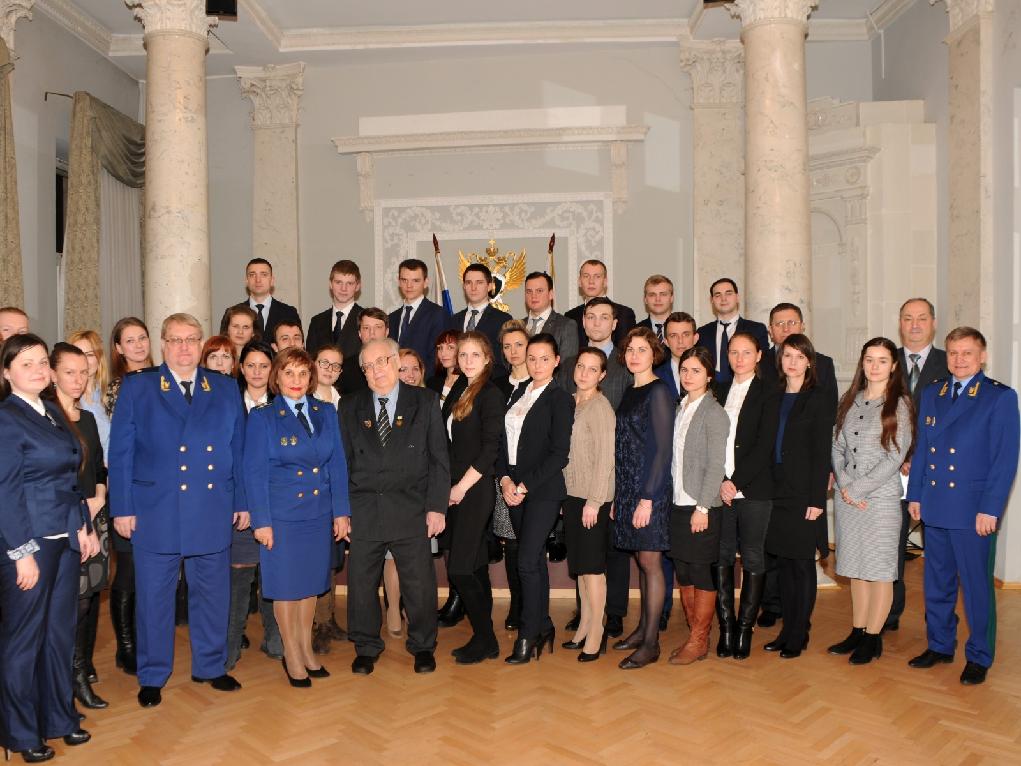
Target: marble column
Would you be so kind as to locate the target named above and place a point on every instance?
(778, 243)
(716, 68)
(275, 92)
(11, 11)
(176, 219)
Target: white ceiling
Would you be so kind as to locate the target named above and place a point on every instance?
(338, 31)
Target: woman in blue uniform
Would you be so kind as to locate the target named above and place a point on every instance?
(296, 482)
(43, 526)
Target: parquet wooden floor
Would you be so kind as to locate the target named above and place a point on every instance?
(815, 709)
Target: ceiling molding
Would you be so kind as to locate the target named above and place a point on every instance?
(78, 23)
(134, 45)
(838, 30)
(263, 21)
(887, 12)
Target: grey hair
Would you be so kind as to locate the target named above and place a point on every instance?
(390, 343)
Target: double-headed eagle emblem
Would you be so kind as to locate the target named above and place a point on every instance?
(508, 271)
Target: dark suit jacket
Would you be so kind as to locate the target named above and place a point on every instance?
(666, 374)
(647, 322)
(426, 325)
(392, 488)
(825, 373)
(475, 441)
(617, 379)
(544, 445)
(625, 321)
(320, 333)
(707, 335)
(488, 323)
(935, 367)
(563, 329)
(807, 444)
(278, 312)
(754, 440)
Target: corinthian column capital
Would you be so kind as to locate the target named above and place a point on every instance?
(753, 11)
(717, 71)
(961, 12)
(274, 92)
(10, 12)
(173, 16)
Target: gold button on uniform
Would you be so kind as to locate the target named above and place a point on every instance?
(209, 448)
(183, 448)
(932, 467)
(301, 473)
(184, 487)
(315, 491)
(210, 466)
(933, 483)
(932, 449)
(209, 486)
(301, 494)
(315, 470)
(953, 451)
(184, 468)
(950, 468)
(951, 485)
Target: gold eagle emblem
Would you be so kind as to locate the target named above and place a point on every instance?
(508, 271)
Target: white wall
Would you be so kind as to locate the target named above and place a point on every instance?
(48, 58)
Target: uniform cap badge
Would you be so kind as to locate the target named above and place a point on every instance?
(294, 440)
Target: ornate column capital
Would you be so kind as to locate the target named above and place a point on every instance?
(173, 16)
(753, 11)
(10, 12)
(274, 92)
(717, 71)
(963, 11)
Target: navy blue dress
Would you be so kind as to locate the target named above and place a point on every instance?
(644, 444)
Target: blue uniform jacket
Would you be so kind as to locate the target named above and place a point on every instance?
(177, 467)
(966, 452)
(38, 476)
(290, 476)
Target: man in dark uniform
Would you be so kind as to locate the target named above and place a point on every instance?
(269, 312)
(175, 463)
(966, 454)
(339, 324)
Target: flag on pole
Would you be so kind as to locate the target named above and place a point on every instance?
(441, 280)
(550, 269)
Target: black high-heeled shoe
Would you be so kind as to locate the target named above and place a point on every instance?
(638, 659)
(319, 672)
(297, 683)
(572, 644)
(523, 650)
(584, 656)
(33, 754)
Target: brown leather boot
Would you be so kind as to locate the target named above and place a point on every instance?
(697, 645)
(688, 604)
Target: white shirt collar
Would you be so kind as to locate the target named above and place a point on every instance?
(346, 308)
(415, 303)
(265, 304)
(543, 317)
(36, 405)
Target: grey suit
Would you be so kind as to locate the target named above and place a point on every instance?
(563, 329)
(704, 460)
(617, 379)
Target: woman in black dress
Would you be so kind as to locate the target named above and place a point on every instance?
(641, 505)
(69, 369)
(797, 524)
(473, 413)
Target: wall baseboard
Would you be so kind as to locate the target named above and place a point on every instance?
(1006, 585)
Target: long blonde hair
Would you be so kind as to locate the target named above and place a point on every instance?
(102, 378)
(463, 407)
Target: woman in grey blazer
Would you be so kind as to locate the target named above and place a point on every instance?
(875, 434)
(700, 444)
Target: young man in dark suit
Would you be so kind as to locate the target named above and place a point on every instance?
(478, 315)
(399, 481)
(786, 319)
(680, 335)
(716, 335)
(659, 302)
(418, 321)
(339, 324)
(593, 283)
(542, 318)
(920, 363)
(269, 312)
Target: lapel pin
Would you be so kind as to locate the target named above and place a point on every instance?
(315, 408)
(164, 385)
(400, 421)
(283, 441)
(943, 391)
(294, 440)
(282, 413)
(205, 385)
(367, 423)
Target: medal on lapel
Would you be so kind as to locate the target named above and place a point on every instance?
(294, 440)
(283, 441)
(930, 420)
(400, 421)
(367, 423)
(943, 391)
(205, 385)
(164, 385)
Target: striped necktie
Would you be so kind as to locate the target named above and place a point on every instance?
(383, 422)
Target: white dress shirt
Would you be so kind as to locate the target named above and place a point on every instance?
(345, 314)
(539, 321)
(515, 418)
(730, 329)
(735, 400)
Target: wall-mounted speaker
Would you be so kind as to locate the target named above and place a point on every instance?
(222, 9)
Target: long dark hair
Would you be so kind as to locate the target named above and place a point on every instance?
(447, 336)
(701, 353)
(60, 350)
(118, 364)
(463, 407)
(801, 343)
(896, 391)
(253, 345)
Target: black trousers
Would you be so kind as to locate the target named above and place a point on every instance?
(797, 592)
(771, 586)
(744, 528)
(533, 520)
(37, 647)
(618, 578)
(418, 590)
(899, 594)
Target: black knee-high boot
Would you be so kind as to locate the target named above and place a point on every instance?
(723, 579)
(82, 688)
(89, 647)
(751, 597)
(510, 560)
(122, 614)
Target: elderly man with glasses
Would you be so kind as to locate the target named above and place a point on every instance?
(399, 487)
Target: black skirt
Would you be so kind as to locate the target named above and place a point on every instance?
(701, 548)
(586, 548)
(791, 535)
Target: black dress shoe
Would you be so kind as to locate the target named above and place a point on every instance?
(37, 754)
(573, 645)
(319, 672)
(477, 651)
(363, 665)
(614, 626)
(224, 683)
(297, 683)
(775, 645)
(767, 619)
(149, 696)
(789, 654)
(973, 674)
(77, 737)
(664, 620)
(928, 658)
(573, 623)
(425, 662)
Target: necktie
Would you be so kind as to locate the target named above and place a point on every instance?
(383, 422)
(404, 323)
(260, 321)
(915, 372)
(338, 327)
(302, 419)
(957, 390)
(535, 325)
(472, 319)
(659, 331)
(187, 390)
(724, 364)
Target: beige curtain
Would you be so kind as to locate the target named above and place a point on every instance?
(120, 246)
(12, 289)
(101, 137)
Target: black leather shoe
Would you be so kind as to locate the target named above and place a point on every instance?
(149, 696)
(363, 665)
(973, 674)
(573, 623)
(425, 662)
(928, 658)
(319, 672)
(614, 626)
(849, 644)
(664, 620)
(775, 645)
(80, 737)
(767, 619)
(297, 683)
(224, 683)
(573, 645)
(37, 754)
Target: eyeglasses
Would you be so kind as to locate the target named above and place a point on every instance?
(191, 340)
(378, 364)
(787, 323)
(331, 366)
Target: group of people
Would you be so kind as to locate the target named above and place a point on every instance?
(255, 464)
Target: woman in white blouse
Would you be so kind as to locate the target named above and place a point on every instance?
(700, 443)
